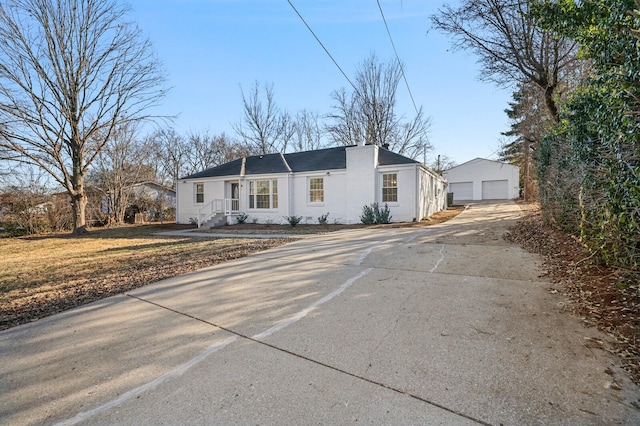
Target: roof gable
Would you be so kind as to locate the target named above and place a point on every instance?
(481, 160)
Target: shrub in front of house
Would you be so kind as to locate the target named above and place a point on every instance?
(322, 220)
(374, 214)
(368, 217)
(293, 220)
(383, 215)
(242, 218)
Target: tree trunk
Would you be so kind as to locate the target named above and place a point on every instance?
(119, 205)
(550, 102)
(525, 178)
(78, 194)
(78, 205)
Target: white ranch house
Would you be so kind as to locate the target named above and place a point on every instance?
(339, 181)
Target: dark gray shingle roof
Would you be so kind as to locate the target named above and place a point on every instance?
(388, 158)
(321, 159)
(227, 169)
(306, 161)
(268, 163)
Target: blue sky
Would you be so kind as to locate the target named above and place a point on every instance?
(212, 48)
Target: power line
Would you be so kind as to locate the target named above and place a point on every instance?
(323, 46)
(404, 77)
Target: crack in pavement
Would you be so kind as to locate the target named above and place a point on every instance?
(432, 270)
(255, 339)
(180, 370)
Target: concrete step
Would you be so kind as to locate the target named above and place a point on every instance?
(215, 221)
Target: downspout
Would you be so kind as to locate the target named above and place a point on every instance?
(177, 203)
(418, 193)
(290, 193)
(289, 186)
(243, 190)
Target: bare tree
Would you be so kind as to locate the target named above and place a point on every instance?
(174, 156)
(264, 127)
(377, 85)
(308, 131)
(345, 122)
(442, 163)
(205, 150)
(121, 163)
(511, 47)
(411, 138)
(367, 115)
(170, 152)
(28, 206)
(70, 70)
(7, 168)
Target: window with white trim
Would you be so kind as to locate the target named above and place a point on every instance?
(390, 188)
(316, 190)
(199, 192)
(263, 194)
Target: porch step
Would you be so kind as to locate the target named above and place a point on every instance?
(220, 219)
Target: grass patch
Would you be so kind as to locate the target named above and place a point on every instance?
(43, 275)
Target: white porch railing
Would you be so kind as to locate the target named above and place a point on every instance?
(231, 205)
(228, 206)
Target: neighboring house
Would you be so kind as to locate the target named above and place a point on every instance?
(339, 181)
(482, 179)
(164, 195)
(149, 198)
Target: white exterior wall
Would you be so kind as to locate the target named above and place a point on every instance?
(361, 185)
(479, 170)
(186, 206)
(433, 194)
(335, 197)
(404, 210)
(346, 192)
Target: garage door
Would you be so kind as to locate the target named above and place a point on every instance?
(495, 189)
(461, 190)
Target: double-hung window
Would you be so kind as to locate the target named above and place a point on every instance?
(199, 193)
(390, 188)
(316, 190)
(263, 194)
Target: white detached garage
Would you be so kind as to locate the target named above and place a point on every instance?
(482, 179)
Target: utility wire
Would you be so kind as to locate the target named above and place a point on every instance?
(404, 77)
(323, 46)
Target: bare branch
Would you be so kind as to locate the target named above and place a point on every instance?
(367, 115)
(511, 48)
(264, 127)
(71, 70)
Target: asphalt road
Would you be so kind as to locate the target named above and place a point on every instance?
(441, 325)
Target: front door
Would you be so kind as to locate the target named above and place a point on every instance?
(235, 196)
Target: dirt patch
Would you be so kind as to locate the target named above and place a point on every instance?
(604, 297)
(308, 228)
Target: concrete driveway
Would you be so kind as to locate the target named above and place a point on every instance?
(441, 325)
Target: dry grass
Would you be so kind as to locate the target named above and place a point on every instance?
(42, 275)
(46, 274)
